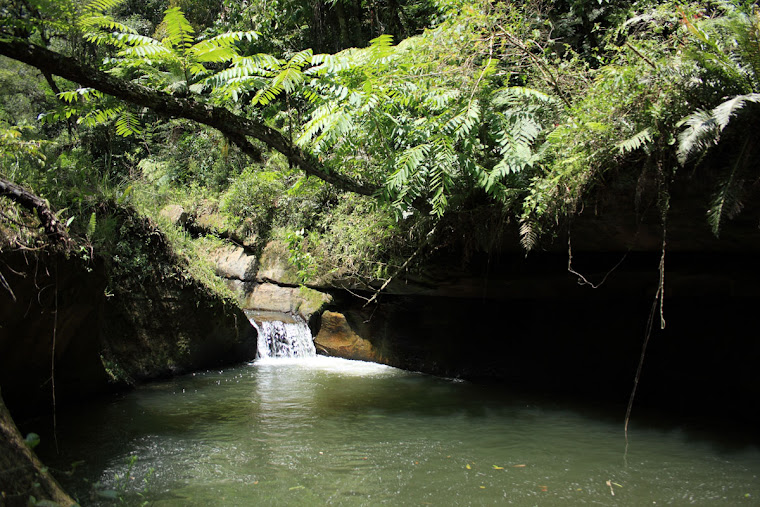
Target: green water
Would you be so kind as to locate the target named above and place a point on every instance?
(330, 431)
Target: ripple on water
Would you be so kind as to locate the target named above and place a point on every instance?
(283, 432)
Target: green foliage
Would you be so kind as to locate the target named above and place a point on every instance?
(727, 50)
(252, 200)
(15, 150)
(354, 239)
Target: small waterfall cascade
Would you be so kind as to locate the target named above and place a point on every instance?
(278, 338)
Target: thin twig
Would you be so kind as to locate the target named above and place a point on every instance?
(548, 76)
(403, 266)
(640, 55)
(7, 286)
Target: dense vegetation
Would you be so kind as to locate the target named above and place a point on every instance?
(403, 121)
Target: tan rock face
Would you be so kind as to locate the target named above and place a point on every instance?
(274, 265)
(337, 338)
(293, 300)
(233, 262)
(176, 214)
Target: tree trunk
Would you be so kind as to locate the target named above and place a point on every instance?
(22, 475)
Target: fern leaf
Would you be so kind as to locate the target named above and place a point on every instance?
(91, 225)
(701, 133)
(406, 165)
(127, 124)
(704, 127)
(528, 234)
(635, 142)
(180, 31)
(727, 202)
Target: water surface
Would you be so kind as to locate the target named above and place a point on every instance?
(330, 431)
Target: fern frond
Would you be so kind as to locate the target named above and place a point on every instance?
(300, 59)
(514, 94)
(180, 31)
(704, 127)
(528, 234)
(127, 124)
(80, 93)
(91, 226)
(100, 6)
(727, 201)
(635, 142)
(381, 47)
(406, 165)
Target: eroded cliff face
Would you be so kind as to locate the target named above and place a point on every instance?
(87, 326)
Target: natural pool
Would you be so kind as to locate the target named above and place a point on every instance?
(329, 431)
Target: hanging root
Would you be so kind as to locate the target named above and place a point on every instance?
(659, 297)
(582, 279)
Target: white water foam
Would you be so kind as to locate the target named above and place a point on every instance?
(279, 339)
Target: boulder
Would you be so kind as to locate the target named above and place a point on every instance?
(275, 266)
(176, 214)
(337, 338)
(233, 262)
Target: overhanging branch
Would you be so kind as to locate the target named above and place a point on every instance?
(235, 127)
(50, 223)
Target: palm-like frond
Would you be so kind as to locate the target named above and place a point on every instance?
(705, 127)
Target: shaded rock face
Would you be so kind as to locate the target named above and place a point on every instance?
(337, 338)
(21, 474)
(56, 312)
(275, 267)
(176, 214)
(160, 326)
(529, 325)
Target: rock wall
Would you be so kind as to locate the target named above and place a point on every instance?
(527, 322)
(94, 326)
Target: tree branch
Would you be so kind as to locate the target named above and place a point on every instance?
(50, 223)
(235, 127)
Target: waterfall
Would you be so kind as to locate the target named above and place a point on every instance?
(283, 339)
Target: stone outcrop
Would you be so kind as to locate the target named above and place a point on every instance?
(107, 325)
(176, 214)
(302, 301)
(337, 338)
(275, 267)
(234, 263)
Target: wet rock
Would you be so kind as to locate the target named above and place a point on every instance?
(337, 338)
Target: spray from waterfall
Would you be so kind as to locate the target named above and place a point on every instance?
(283, 339)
